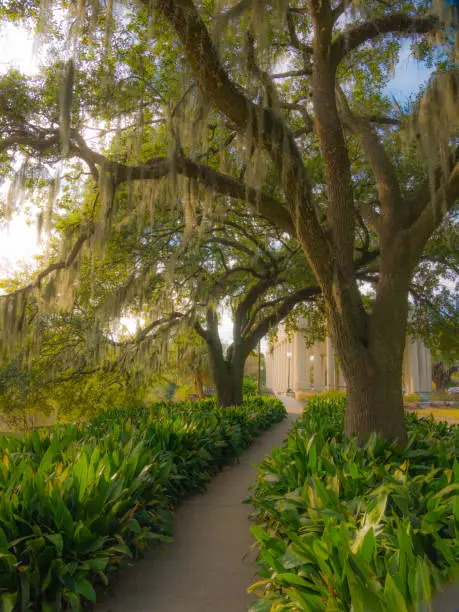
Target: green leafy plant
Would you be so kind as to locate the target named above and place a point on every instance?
(249, 387)
(78, 502)
(343, 527)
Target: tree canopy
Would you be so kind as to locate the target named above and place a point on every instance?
(248, 110)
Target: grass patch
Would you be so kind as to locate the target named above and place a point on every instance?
(344, 528)
(439, 413)
(79, 501)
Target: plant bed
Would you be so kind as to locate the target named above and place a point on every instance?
(78, 502)
(344, 528)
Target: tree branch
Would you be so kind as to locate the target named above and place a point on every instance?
(296, 43)
(57, 265)
(421, 197)
(308, 121)
(266, 127)
(389, 193)
(292, 73)
(272, 96)
(246, 304)
(396, 23)
(198, 328)
(145, 331)
(306, 293)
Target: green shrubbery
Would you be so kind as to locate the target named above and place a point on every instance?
(78, 502)
(345, 528)
(249, 387)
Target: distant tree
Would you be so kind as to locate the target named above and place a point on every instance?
(442, 375)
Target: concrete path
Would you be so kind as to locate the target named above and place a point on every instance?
(209, 565)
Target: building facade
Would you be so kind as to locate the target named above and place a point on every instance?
(290, 365)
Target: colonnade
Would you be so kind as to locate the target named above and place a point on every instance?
(292, 366)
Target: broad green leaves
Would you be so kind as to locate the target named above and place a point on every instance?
(345, 528)
(80, 501)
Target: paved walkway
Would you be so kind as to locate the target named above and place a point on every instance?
(209, 565)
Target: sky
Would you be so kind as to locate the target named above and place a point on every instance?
(19, 241)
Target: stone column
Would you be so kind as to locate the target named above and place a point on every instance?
(283, 369)
(422, 366)
(414, 366)
(429, 369)
(300, 356)
(406, 368)
(330, 364)
(268, 362)
(427, 372)
(277, 367)
(318, 382)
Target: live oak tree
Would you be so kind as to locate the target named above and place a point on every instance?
(281, 106)
(369, 344)
(238, 262)
(175, 285)
(260, 277)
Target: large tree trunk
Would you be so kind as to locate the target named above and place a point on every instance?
(441, 375)
(229, 387)
(374, 399)
(372, 361)
(228, 379)
(228, 373)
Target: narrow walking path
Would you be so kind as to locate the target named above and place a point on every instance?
(209, 565)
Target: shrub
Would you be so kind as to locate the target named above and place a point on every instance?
(78, 502)
(182, 392)
(249, 387)
(366, 529)
(410, 398)
(306, 395)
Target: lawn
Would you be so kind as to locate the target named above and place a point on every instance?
(450, 415)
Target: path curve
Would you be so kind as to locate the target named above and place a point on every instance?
(209, 565)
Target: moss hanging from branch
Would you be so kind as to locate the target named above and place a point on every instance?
(66, 105)
(434, 124)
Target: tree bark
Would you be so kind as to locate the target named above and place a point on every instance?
(228, 376)
(228, 373)
(198, 383)
(374, 399)
(372, 361)
(442, 375)
(228, 381)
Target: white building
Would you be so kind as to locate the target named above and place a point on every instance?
(291, 365)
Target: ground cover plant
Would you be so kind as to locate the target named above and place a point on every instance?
(81, 500)
(342, 527)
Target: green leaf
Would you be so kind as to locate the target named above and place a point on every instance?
(56, 539)
(394, 598)
(84, 587)
(365, 544)
(292, 579)
(260, 605)
(134, 526)
(8, 601)
(290, 560)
